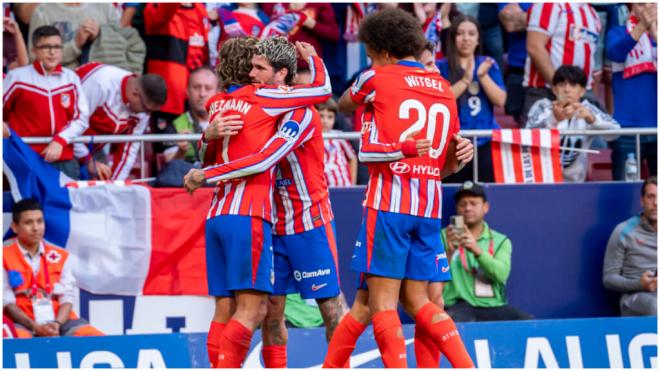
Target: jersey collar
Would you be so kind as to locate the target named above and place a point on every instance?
(42, 71)
(410, 64)
(233, 88)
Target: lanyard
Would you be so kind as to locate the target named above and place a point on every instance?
(491, 251)
(44, 264)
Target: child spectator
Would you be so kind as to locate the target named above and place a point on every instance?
(570, 110)
(340, 158)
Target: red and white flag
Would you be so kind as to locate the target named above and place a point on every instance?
(526, 156)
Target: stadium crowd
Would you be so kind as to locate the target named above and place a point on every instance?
(151, 68)
(500, 58)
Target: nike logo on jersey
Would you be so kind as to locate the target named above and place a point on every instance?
(445, 269)
(317, 288)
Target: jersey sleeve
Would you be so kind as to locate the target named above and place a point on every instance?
(126, 153)
(543, 17)
(79, 122)
(363, 90)
(348, 149)
(295, 127)
(9, 94)
(371, 150)
(276, 100)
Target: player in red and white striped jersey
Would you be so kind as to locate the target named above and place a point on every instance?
(408, 140)
(303, 220)
(558, 34)
(241, 210)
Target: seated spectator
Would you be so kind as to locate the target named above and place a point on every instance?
(340, 158)
(176, 38)
(513, 17)
(631, 258)
(58, 108)
(549, 46)
(14, 51)
(120, 103)
(184, 155)
(78, 23)
(202, 85)
(632, 49)
(482, 264)
(569, 110)
(39, 306)
(477, 83)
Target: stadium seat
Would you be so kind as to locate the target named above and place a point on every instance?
(599, 167)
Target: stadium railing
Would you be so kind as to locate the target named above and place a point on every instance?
(474, 134)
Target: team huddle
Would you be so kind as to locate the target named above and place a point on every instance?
(271, 219)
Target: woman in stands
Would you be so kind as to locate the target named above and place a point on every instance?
(478, 85)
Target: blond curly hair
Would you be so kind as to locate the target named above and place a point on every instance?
(235, 61)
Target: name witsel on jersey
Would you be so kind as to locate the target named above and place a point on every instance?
(424, 82)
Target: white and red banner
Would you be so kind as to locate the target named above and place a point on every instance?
(526, 156)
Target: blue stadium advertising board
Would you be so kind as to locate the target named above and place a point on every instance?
(574, 343)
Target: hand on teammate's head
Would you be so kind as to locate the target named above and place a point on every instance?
(305, 50)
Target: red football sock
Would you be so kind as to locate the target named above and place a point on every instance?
(445, 336)
(427, 354)
(234, 345)
(343, 342)
(274, 356)
(213, 340)
(390, 340)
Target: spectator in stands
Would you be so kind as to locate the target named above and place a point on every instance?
(242, 20)
(120, 103)
(56, 108)
(632, 49)
(39, 285)
(513, 17)
(558, 33)
(477, 83)
(78, 23)
(202, 85)
(340, 158)
(482, 265)
(631, 258)
(176, 38)
(319, 24)
(569, 110)
(14, 51)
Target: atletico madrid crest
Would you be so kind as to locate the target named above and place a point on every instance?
(65, 100)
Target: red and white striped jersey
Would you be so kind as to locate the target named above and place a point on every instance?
(405, 101)
(302, 201)
(40, 104)
(337, 154)
(105, 88)
(253, 153)
(573, 29)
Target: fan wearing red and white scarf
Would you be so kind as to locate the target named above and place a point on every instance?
(642, 58)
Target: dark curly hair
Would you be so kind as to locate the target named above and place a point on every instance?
(235, 61)
(394, 31)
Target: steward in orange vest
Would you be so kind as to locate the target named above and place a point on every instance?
(39, 283)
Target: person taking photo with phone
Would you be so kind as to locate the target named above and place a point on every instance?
(480, 262)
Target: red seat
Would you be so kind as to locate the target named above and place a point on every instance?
(599, 166)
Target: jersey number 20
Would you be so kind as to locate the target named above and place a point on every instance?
(422, 115)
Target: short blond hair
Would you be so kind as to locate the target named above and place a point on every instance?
(280, 53)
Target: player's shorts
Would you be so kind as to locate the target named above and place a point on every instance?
(443, 273)
(307, 263)
(398, 246)
(239, 255)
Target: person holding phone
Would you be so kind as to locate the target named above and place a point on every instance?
(480, 262)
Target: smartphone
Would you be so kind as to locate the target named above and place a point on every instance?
(457, 223)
